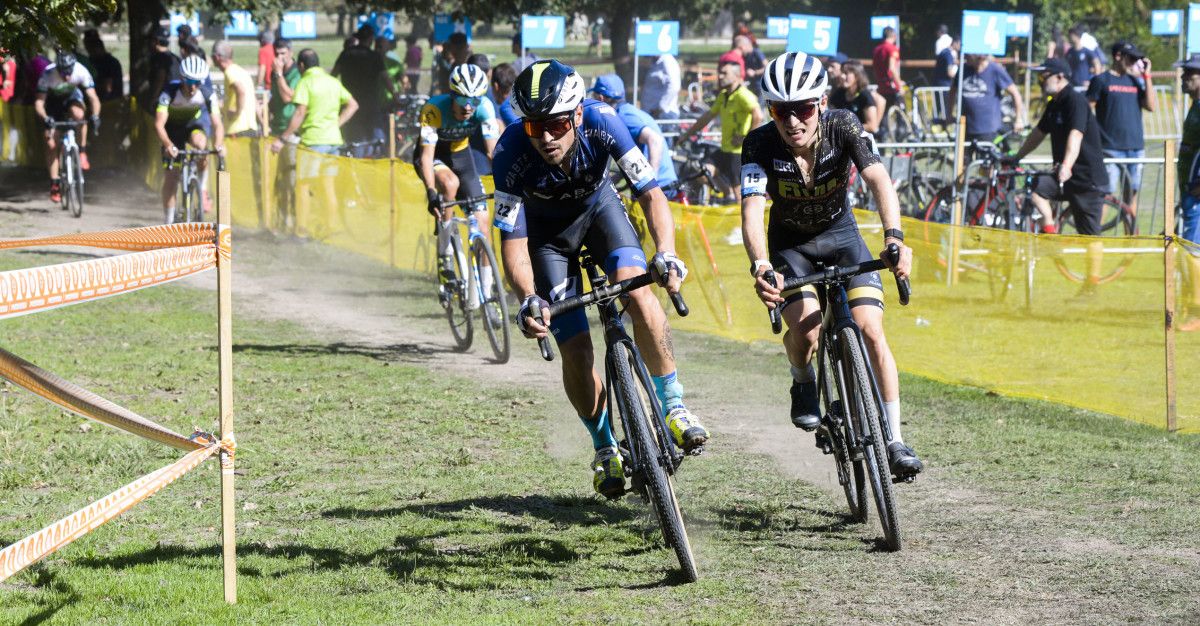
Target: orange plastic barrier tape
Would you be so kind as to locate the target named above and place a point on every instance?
(134, 239)
(48, 540)
(40, 288)
(85, 403)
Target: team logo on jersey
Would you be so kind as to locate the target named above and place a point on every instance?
(795, 190)
(785, 166)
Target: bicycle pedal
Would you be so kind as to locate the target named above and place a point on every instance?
(696, 451)
(896, 480)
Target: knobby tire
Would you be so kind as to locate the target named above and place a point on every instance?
(493, 306)
(457, 315)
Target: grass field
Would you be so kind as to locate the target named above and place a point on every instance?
(376, 491)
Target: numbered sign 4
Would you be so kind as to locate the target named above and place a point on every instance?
(984, 32)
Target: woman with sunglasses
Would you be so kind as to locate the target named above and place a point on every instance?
(801, 160)
(188, 112)
(441, 157)
(553, 196)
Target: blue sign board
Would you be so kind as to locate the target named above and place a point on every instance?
(1193, 28)
(880, 22)
(299, 25)
(814, 34)
(383, 24)
(655, 38)
(984, 32)
(543, 31)
(777, 27)
(178, 19)
(1020, 25)
(445, 25)
(241, 25)
(1166, 23)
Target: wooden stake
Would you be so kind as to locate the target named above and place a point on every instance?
(956, 221)
(225, 384)
(392, 189)
(1169, 280)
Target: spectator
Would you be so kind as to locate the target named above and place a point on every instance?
(734, 55)
(853, 94)
(833, 66)
(284, 78)
(596, 38)
(164, 65)
(106, 69)
(943, 39)
(660, 92)
(8, 76)
(393, 67)
(1083, 61)
(1075, 145)
(240, 103)
(1118, 97)
(479, 149)
(266, 59)
(984, 84)
(754, 60)
(646, 133)
(1188, 170)
(454, 52)
(521, 62)
(739, 113)
(503, 78)
(1056, 48)
(412, 63)
(945, 68)
(885, 62)
(361, 71)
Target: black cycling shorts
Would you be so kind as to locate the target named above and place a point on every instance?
(554, 251)
(56, 107)
(180, 133)
(1085, 202)
(840, 245)
(463, 166)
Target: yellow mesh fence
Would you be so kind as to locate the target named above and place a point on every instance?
(991, 308)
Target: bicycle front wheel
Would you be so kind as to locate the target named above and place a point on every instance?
(454, 297)
(650, 453)
(840, 432)
(74, 192)
(863, 406)
(493, 305)
(193, 206)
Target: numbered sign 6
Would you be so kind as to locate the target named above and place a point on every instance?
(814, 34)
(543, 31)
(655, 38)
(984, 32)
(880, 22)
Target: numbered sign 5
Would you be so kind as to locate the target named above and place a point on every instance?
(299, 25)
(984, 32)
(1166, 23)
(1020, 25)
(814, 34)
(655, 38)
(543, 31)
(193, 20)
(241, 25)
(777, 28)
(880, 22)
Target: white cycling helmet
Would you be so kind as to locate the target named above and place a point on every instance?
(793, 77)
(194, 68)
(468, 80)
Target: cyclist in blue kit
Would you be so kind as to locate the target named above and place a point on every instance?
(553, 196)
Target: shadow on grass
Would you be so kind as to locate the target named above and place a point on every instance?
(560, 510)
(56, 595)
(791, 518)
(410, 352)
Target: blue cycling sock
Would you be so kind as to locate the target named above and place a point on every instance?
(601, 430)
(669, 391)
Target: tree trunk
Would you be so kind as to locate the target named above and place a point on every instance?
(620, 28)
(144, 16)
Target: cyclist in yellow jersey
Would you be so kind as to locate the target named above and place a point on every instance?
(740, 114)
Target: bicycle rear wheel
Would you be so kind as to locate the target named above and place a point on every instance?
(863, 406)
(455, 297)
(493, 305)
(650, 452)
(73, 194)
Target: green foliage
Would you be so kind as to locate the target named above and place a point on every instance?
(26, 25)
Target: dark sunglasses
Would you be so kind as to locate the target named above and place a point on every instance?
(556, 126)
(799, 110)
(193, 83)
(464, 101)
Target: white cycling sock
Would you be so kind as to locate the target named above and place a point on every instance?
(804, 374)
(892, 411)
(485, 281)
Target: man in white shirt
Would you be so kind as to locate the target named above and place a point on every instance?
(660, 92)
(943, 40)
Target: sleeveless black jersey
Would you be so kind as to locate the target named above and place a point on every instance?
(769, 169)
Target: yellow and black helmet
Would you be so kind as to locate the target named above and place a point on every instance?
(547, 88)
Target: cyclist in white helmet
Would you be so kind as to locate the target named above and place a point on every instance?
(441, 157)
(801, 160)
(188, 113)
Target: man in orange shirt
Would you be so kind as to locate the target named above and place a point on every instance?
(885, 61)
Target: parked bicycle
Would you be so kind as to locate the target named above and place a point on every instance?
(472, 282)
(70, 171)
(697, 185)
(189, 206)
(853, 428)
(648, 452)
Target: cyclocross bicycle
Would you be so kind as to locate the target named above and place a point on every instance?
(463, 290)
(647, 450)
(189, 205)
(853, 427)
(70, 172)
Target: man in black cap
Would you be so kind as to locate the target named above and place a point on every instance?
(1080, 179)
(1189, 184)
(164, 65)
(1118, 97)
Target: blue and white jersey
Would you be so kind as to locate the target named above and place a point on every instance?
(529, 188)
